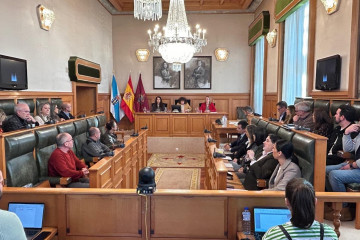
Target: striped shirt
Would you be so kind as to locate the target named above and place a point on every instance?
(298, 233)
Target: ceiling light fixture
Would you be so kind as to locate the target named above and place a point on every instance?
(176, 43)
(147, 9)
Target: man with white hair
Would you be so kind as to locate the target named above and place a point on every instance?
(20, 120)
(303, 117)
(66, 111)
(10, 225)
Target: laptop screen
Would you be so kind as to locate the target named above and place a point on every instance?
(265, 218)
(30, 214)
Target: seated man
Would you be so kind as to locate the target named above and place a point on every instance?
(20, 120)
(281, 109)
(344, 117)
(207, 106)
(64, 163)
(65, 112)
(240, 142)
(303, 117)
(93, 147)
(109, 138)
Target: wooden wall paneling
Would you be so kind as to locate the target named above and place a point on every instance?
(127, 169)
(270, 100)
(179, 126)
(145, 120)
(184, 217)
(196, 124)
(280, 60)
(354, 53)
(103, 216)
(237, 102)
(162, 124)
(118, 168)
(311, 47)
(134, 163)
(103, 104)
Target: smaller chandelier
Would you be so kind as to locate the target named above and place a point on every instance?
(147, 9)
(176, 43)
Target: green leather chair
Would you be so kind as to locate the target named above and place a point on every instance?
(45, 145)
(92, 122)
(20, 163)
(304, 150)
(80, 136)
(272, 129)
(336, 104)
(322, 104)
(102, 122)
(40, 101)
(7, 105)
(262, 124)
(285, 134)
(255, 121)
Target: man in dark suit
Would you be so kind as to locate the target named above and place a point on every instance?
(281, 109)
(65, 111)
(240, 143)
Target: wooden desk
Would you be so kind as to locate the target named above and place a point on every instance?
(219, 129)
(176, 124)
(52, 231)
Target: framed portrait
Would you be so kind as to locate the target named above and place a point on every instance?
(164, 76)
(197, 74)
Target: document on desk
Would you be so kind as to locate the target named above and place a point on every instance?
(228, 165)
(227, 158)
(233, 123)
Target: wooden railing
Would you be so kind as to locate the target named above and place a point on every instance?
(171, 214)
(121, 170)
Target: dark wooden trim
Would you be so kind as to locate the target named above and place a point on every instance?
(311, 47)
(252, 68)
(264, 72)
(354, 52)
(280, 59)
(264, 19)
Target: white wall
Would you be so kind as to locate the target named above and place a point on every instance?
(223, 30)
(333, 36)
(82, 28)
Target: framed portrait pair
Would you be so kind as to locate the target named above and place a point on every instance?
(197, 74)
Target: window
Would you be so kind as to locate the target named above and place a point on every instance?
(295, 54)
(259, 75)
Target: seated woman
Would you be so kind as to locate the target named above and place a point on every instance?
(322, 121)
(44, 115)
(2, 119)
(55, 114)
(290, 113)
(184, 105)
(287, 169)
(158, 105)
(207, 106)
(264, 165)
(109, 138)
(300, 200)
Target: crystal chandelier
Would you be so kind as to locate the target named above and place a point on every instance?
(176, 43)
(147, 9)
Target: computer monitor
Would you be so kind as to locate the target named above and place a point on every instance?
(176, 108)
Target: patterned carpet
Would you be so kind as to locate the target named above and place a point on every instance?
(177, 160)
(177, 178)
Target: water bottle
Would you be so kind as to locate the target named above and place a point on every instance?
(246, 222)
(224, 121)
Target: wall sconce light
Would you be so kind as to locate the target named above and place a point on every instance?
(221, 54)
(271, 38)
(142, 55)
(46, 17)
(331, 6)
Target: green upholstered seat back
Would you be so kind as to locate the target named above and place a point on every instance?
(356, 105)
(102, 122)
(40, 101)
(30, 103)
(304, 150)
(272, 129)
(322, 104)
(20, 163)
(92, 122)
(262, 124)
(255, 121)
(285, 134)
(7, 105)
(46, 144)
(240, 113)
(80, 136)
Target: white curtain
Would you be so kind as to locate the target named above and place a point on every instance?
(259, 75)
(295, 54)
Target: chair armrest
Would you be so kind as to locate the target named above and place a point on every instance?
(261, 183)
(65, 180)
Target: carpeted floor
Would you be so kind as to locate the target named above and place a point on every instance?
(177, 178)
(177, 160)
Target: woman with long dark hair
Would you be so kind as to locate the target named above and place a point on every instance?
(158, 105)
(322, 121)
(300, 199)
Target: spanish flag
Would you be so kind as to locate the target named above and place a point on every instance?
(127, 104)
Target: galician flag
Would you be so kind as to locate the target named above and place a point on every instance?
(115, 101)
(127, 103)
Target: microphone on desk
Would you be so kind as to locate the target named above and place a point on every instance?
(207, 131)
(218, 155)
(79, 115)
(135, 134)
(101, 110)
(144, 127)
(210, 140)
